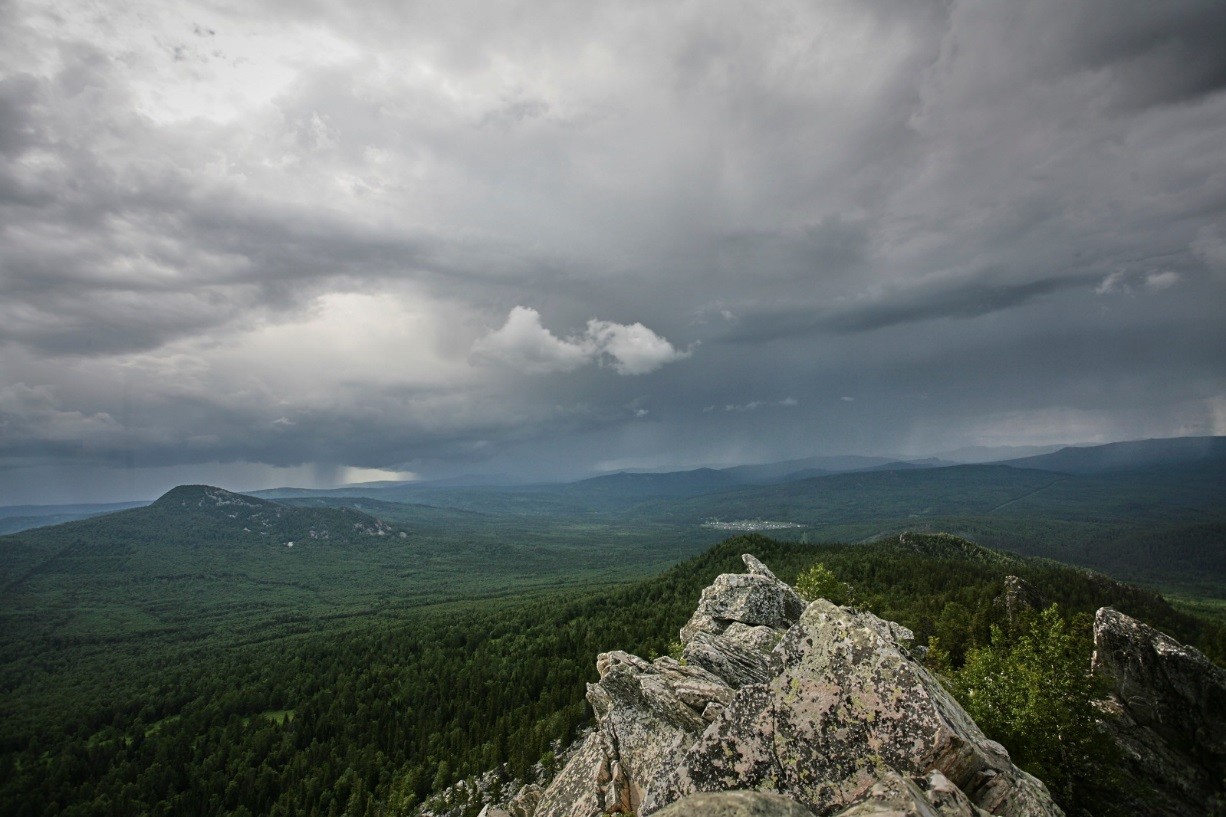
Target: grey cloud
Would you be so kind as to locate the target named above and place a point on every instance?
(960, 300)
(963, 302)
(914, 202)
(1166, 53)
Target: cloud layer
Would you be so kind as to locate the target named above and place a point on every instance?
(278, 236)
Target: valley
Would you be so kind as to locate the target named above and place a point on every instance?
(425, 633)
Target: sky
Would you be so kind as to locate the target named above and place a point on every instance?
(314, 242)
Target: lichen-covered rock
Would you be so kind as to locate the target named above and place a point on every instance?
(643, 723)
(579, 789)
(755, 566)
(525, 801)
(1167, 713)
(849, 706)
(823, 705)
(647, 714)
(490, 810)
(896, 796)
(735, 804)
(729, 659)
(761, 638)
(754, 599)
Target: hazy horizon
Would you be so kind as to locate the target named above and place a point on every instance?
(280, 244)
(147, 485)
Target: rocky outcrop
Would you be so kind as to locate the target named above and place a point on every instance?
(1167, 712)
(848, 708)
(649, 713)
(1018, 598)
(820, 704)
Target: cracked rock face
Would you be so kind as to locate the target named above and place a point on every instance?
(1167, 713)
(848, 708)
(820, 704)
(647, 714)
(897, 796)
(751, 599)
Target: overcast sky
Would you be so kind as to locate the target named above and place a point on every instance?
(303, 242)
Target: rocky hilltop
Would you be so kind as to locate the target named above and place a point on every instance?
(823, 708)
(778, 708)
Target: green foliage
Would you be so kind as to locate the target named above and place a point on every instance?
(196, 719)
(954, 631)
(818, 582)
(1031, 690)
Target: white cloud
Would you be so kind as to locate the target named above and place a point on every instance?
(524, 344)
(754, 405)
(351, 475)
(1162, 280)
(635, 349)
(1121, 282)
(1112, 283)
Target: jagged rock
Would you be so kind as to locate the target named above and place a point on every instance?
(1167, 713)
(1017, 598)
(647, 714)
(729, 659)
(899, 634)
(525, 801)
(755, 566)
(759, 639)
(836, 715)
(579, 789)
(897, 796)
(735, 804)
(1171, 688)
(848, 706)
(490, 810)
(754, 599)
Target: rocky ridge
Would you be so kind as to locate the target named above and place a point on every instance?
(817, 708)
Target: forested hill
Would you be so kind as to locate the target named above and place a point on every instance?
(191, 524)
(373, 719)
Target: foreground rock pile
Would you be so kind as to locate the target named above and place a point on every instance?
(816, 708)
(778, 708)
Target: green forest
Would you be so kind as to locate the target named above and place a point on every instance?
(371, 716)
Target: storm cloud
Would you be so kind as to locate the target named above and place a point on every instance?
(287, 241)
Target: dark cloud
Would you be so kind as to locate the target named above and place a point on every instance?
(292, 236)
(960, 300)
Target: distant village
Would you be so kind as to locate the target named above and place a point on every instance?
(749, 525)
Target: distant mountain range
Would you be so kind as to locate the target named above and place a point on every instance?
(1112, 457)
(618, 492)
